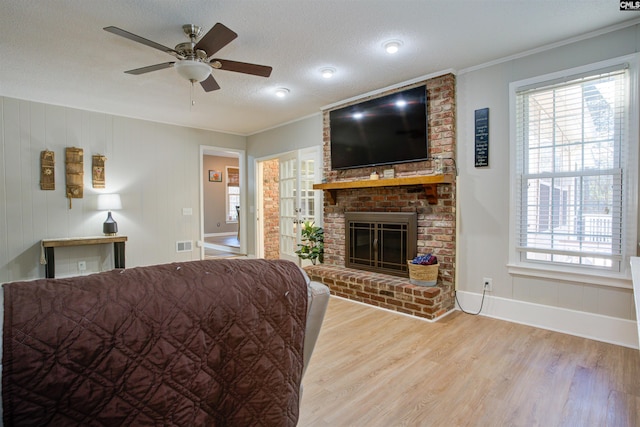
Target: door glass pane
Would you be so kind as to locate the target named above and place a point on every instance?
(307, 194)
(288, 214)
(298, 201)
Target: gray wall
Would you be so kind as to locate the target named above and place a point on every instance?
(484, 192)
(154, 167)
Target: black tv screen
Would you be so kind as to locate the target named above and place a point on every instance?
(381, 131)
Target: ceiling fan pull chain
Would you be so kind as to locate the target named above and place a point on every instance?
(192, 103)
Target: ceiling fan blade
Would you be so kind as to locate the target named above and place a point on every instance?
(135, 38)
(242, 67)
(210, 84)
(217, 38)
(151, 68)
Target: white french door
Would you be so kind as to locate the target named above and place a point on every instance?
(299, 202)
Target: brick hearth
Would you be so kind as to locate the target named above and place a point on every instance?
(436, 223)
(381, 290)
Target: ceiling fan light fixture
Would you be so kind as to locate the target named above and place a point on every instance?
(282, 92)
(328, 72)
(392, 46)
(194, 71)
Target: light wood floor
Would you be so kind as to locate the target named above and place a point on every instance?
(376, 368)
(222, 247)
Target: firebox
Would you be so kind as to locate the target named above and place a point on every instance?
(380, 241)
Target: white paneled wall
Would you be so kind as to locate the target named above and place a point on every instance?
(155, 168)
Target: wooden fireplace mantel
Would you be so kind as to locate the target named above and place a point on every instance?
(429, 182)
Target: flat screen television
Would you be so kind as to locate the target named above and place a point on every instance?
(381, 131)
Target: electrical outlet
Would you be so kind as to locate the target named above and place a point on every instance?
(487, 284)
(82, 266)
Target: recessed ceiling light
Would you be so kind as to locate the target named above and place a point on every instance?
(328, 72)
(392, 46)
(282, 92)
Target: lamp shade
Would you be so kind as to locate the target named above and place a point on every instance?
(194, 71)
(109, 202)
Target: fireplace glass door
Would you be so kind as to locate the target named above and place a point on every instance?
(380, 242)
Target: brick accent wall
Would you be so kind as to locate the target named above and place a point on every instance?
(271, 208)
(436, 223)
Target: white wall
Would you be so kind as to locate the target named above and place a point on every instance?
(483, 193)
(155, 168)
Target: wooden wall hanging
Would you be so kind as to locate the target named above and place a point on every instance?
(97, 171)
(47, 170)
(74, 162)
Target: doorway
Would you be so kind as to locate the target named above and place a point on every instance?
(285, 200)
(222, 202)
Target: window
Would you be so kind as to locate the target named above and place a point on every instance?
(233, 193)
(573, 151)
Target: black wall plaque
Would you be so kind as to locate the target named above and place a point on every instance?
(482, 137)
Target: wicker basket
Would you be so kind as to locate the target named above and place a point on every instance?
(423, 275)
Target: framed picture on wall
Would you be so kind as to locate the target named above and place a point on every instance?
(215, 176)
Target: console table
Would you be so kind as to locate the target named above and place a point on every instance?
(49, 246)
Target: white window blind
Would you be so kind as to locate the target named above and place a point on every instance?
(570, 148)
(233, 193)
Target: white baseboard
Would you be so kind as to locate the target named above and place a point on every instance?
(597, 327)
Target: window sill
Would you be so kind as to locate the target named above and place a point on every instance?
(615, 281)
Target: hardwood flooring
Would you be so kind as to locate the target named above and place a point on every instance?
(222, 247)
(376, 368)
(231, 241)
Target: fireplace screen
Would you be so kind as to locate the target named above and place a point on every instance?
(380, 242)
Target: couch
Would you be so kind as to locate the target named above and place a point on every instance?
(211, 343)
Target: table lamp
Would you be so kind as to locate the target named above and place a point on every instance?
(109, 202)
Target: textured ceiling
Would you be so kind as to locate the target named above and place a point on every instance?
(55, 51)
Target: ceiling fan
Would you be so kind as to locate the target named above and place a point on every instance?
(195, 58)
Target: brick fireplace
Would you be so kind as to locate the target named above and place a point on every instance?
(436, 222)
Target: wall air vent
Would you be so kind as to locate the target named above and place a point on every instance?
(184, 246)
